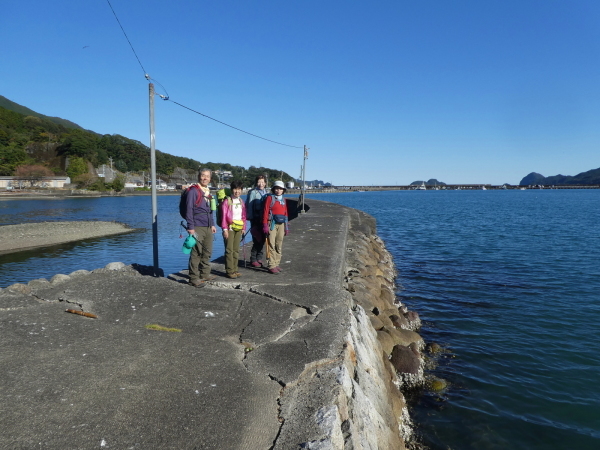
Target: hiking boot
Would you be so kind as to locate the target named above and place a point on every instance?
(279, 269)
(209, 278)
(232, 275)
(196, 283)
(256, 264)
(237, 274)
(274, 271)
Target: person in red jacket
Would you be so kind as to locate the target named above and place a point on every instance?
(275, 225)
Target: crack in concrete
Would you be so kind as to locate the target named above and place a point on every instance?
(308, 309)
(58, 300)
(247, 348)
(279, 415)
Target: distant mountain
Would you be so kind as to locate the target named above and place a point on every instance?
(591, 177)
(12, 106)
(431, 182)
(532, 179)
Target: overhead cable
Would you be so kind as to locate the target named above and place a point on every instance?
(123, 30)
(166, 97)
(230, 126)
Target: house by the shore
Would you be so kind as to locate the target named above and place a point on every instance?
(12, 182)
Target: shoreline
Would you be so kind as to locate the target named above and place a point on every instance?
(55, 194)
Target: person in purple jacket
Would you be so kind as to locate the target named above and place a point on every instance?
(200, 225)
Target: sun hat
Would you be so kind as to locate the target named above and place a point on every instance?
(188, 244)
(278, 184)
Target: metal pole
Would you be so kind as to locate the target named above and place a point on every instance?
(304, 178)
(153, 174)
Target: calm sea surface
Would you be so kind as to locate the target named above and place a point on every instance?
(508, 282)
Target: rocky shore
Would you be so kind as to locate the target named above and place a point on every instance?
(14, 238)
(317, 358)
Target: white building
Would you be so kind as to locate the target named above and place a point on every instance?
(45, 182)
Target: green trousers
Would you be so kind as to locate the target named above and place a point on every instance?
(199, 266)
(232, 251)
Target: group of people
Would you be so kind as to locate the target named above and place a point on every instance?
(268, 216)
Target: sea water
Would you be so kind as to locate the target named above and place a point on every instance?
(507, 282)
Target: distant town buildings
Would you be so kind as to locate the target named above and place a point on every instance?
(12, 182)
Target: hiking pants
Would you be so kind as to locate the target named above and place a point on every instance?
(199, 266)
(258, 241)
(232, 251)
(276, 245)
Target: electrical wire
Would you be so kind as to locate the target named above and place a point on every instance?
(123, 30)
(166, 97)
(231, 126)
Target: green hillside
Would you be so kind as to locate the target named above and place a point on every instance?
(12, 106)
(27, 137)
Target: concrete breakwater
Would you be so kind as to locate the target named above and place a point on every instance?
(314, 358)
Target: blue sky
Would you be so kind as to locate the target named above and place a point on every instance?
(384, 92)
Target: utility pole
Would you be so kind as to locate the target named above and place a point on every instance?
(304, 177)
(153, 174)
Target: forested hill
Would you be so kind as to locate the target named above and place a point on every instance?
(12, 106)
(591, 177)
(27, 137)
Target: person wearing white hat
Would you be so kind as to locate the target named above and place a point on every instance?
(275, 225)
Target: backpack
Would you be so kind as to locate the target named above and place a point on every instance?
(183, 200)
(254, 206)
(275, 218)
(222, 195)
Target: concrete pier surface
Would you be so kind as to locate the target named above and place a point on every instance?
(259, 362)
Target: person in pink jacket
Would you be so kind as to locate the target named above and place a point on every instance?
(233, 222)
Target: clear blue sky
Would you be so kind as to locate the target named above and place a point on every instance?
(384, 92)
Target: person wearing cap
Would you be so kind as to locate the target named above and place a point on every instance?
(200, 224)
(275, 225)
(254, 210)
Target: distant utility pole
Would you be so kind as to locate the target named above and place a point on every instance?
(153, 174)
(110, 159)
(304, 177)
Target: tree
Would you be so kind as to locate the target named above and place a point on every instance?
(32, 173)
(77, 166)
(12, 157)
(121, 166)
(85, 180)
(118, 183)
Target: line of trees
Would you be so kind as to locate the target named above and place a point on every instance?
(27, 141)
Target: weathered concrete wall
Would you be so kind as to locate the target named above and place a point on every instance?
(355, 400)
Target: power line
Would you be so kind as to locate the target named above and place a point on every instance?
(166, 97)
(231, 126)
(123, 30)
